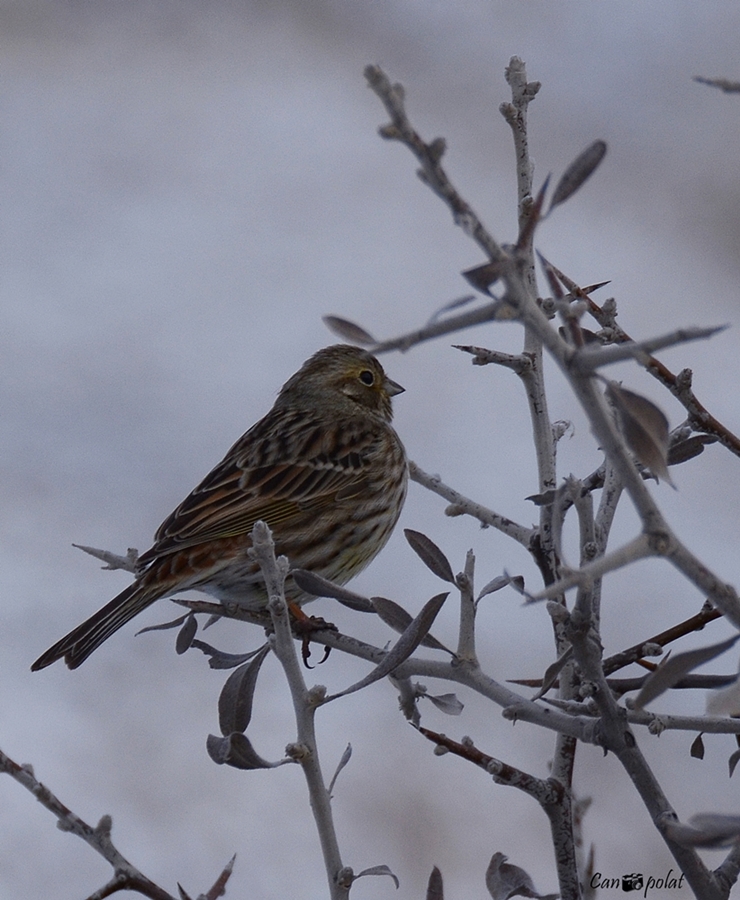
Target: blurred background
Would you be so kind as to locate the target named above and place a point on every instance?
(185, 189)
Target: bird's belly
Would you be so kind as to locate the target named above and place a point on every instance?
(240, 584)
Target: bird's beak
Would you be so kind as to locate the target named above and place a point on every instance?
(393, 388)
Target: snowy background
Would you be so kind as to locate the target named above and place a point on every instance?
(185, 188)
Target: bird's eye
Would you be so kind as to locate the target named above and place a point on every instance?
(367, 377)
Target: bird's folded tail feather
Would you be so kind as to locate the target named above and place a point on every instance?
(76, 646)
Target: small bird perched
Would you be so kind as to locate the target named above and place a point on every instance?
(324, 469)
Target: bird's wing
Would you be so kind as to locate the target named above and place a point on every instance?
(272, 475)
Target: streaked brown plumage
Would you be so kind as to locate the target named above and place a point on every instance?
(324, 468)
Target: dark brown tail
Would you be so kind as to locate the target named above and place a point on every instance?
(80, 643)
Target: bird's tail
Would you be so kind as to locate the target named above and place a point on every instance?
(76, 646)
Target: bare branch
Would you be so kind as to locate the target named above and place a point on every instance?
(126, 876)
(482, 357)
(638, 548)
(461, 505)
(657, 722)
(466, 638)
(429, 155)
(305, 749)
(729, 87)
(590, 358)
(688, 626)
(113, 560)
(488, 313)
(679, 385)
(515, 113)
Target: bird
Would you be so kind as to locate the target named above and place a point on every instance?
(326, 471)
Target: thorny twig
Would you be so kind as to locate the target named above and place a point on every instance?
(657, 538)
(126, 876)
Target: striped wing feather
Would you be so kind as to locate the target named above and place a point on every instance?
(263, 478)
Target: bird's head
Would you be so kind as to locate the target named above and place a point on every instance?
(342, 373)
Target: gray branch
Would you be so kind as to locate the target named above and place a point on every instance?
(589, 358)
(126, 876)
(429, 155)
(724, 84)
(305, 749)
(488, 313)
(461, 505)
